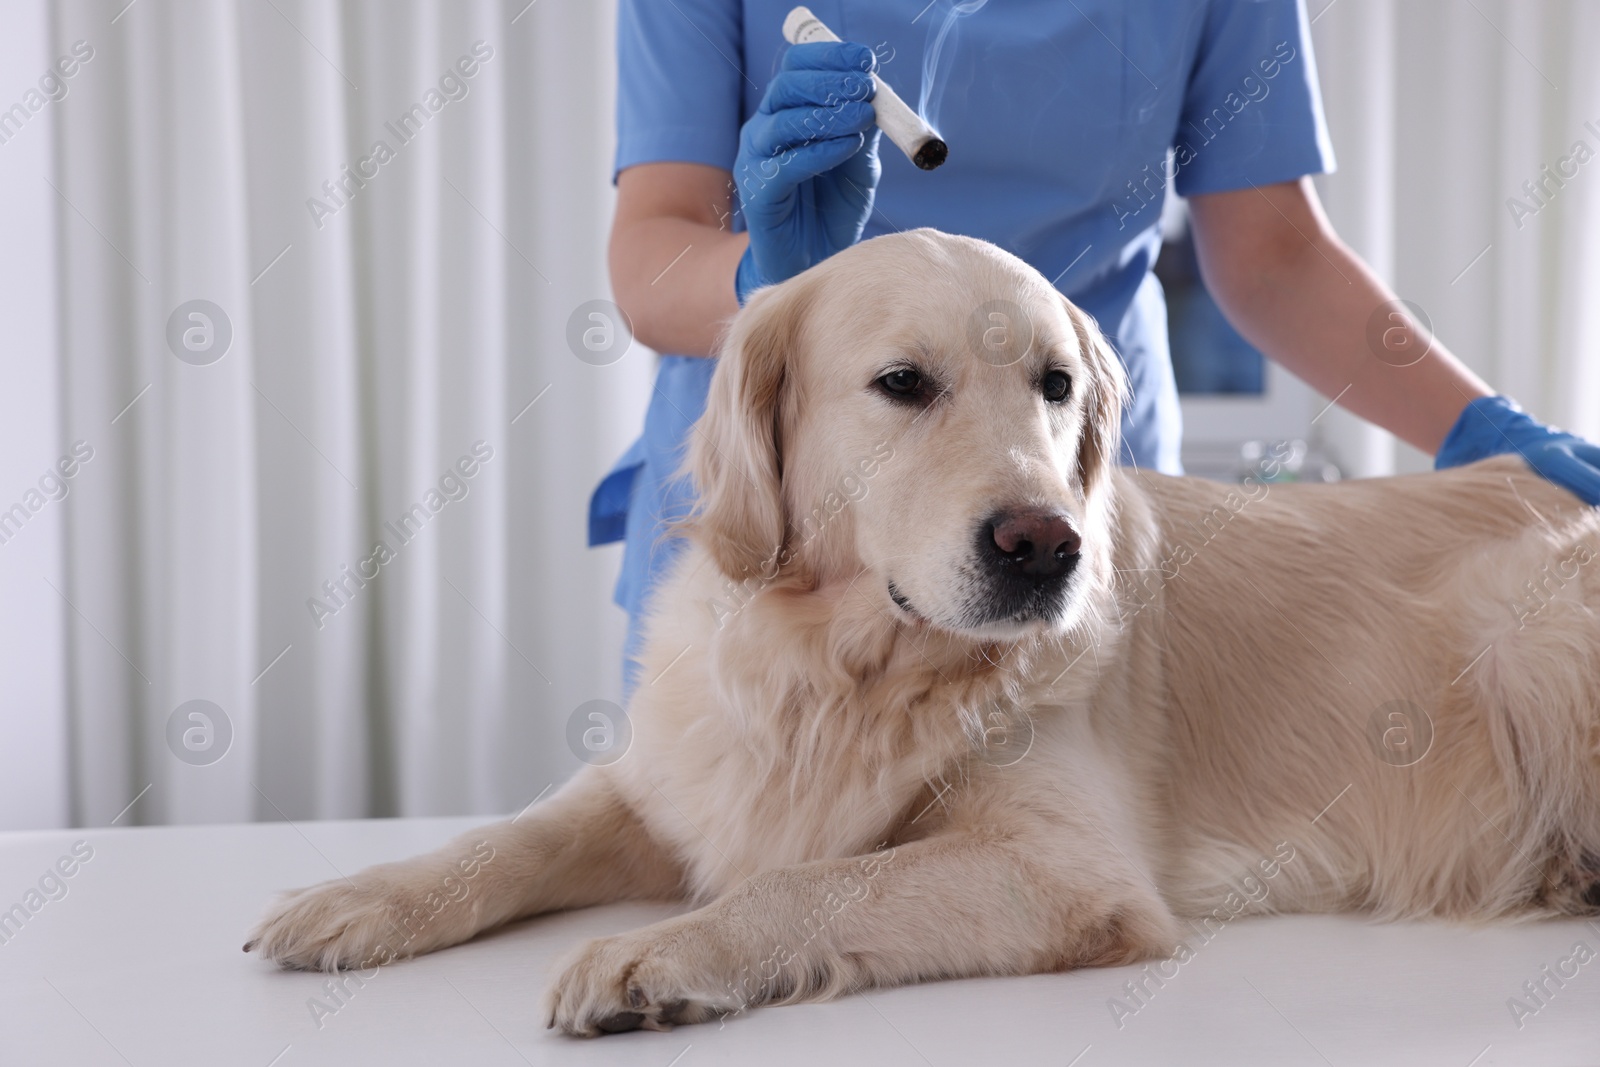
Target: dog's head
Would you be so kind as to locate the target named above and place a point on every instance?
(925, 417)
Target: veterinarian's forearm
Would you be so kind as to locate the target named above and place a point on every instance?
(673, 255)
(1294, 290)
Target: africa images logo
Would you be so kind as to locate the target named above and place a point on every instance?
(1253, 88)
(453, 486)
(351, 179)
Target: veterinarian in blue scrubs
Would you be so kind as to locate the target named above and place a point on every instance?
(1061, 119)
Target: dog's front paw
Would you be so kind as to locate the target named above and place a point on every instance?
(379, 916)
(647, 980)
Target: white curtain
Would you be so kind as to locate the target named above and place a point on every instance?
(33, 615)
(398, 370)
(1440, 111)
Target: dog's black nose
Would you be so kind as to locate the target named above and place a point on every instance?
(1032, 541)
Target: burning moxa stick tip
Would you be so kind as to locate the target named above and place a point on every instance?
(900, 124)
(932, 153)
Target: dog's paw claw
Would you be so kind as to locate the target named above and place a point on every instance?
(620, 1022)
(627, 983)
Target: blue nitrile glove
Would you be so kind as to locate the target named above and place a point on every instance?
(808, 165)
(1491, 425)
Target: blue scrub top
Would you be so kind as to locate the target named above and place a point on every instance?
(1061, 118)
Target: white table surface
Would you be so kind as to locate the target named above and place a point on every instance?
(140, 963)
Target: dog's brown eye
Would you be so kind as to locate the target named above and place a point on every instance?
(1057, 386)
(904, 382)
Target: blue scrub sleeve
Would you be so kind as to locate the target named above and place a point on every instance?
(679, 82)
(1252, 110)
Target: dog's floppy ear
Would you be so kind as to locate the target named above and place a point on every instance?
(1105, 392)
(735, 452)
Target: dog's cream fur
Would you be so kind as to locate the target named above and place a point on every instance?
(860, 791)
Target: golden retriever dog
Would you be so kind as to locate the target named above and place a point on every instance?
(939, 689)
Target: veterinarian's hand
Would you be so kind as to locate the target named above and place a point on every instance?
(808, 163)
(1492, 425)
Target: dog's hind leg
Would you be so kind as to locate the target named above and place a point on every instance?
(582, 846)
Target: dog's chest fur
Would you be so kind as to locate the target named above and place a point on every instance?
(772, 764)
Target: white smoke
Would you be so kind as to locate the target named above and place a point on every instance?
(939, 33)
